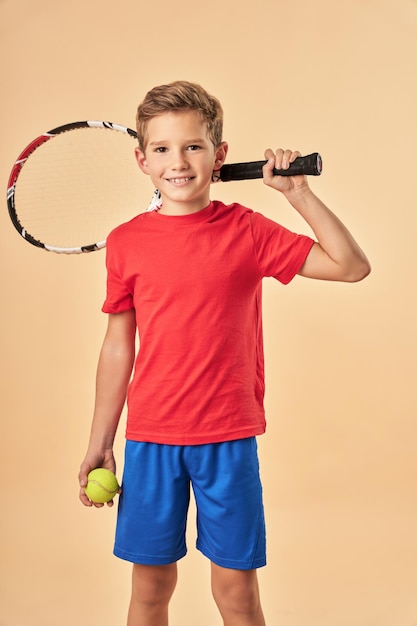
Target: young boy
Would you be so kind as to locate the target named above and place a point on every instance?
(187, 277)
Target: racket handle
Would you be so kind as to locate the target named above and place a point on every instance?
(310, 165)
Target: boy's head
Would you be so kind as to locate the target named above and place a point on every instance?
(180, 96)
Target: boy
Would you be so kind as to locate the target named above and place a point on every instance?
(188, 277)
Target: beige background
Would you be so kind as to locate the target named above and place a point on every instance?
(339, 460)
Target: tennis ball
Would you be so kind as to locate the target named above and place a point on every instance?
(102, 485)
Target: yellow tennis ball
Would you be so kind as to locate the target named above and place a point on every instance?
(102, 485)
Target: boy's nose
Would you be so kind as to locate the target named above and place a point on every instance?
(178, 161)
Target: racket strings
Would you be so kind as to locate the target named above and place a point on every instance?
(75, 188)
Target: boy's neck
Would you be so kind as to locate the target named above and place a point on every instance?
(182, 208)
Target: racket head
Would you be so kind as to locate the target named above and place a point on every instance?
(73, 184)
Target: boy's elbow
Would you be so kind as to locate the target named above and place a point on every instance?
(358, 271)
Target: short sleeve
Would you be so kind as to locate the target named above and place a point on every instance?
(118, 296)
(280, 253)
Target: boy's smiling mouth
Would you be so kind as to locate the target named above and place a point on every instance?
(180, 181)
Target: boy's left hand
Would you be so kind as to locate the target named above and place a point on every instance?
(281, 159)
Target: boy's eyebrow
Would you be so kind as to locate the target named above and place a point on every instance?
(165, 141)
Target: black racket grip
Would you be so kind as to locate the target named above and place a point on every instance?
(310, 165)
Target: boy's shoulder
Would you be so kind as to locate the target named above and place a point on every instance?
(235, 209)
(125, 228)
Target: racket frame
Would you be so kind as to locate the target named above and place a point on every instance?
(20, 162)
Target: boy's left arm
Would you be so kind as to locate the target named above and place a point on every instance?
(335, 255)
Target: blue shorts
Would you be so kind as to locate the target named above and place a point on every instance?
(153, 506)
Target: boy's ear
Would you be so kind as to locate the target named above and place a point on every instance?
(220, 155)
(141, 159)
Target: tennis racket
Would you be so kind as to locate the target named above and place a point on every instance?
(72, 185)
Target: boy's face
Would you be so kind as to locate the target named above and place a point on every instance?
(180, 159)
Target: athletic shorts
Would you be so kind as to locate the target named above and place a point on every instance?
(153, 505)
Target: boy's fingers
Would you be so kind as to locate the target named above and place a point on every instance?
(288, 157)
(280, 159)
(83, 480)
(84, 499)
(269, 165)
(269, 154)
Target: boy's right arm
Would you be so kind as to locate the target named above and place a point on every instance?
(113, 375)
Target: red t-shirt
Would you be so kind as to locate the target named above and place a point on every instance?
(195, 284)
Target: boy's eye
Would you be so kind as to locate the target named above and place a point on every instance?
(160, 149)
(193, 147)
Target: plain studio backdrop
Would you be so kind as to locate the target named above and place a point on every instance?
(339, 458)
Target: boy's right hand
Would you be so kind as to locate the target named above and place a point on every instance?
(93, 461)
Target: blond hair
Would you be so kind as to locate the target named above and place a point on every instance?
(179, 96)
